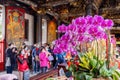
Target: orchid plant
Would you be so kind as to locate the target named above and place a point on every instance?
(82, 29)
(85, 29)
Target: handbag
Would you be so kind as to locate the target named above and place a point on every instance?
(8, 63)
(50, 58)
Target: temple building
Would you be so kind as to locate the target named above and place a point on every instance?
(37, 21)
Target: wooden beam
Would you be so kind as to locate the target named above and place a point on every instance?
(76, 15)
(112, 16)
(57, 3)
(111, 10)
(116, 20)
(115, 31)
(54, 14)
(98, 3)
(27, 2)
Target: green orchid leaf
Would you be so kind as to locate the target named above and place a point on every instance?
(83, 76)
(114, 76)
(117, 72)
(104, 72)
(93, 63)
(79, 75)
(88, 77)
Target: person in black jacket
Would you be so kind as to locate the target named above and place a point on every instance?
(14, 57)
(9, 58)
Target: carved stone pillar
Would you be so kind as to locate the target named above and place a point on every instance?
(91, 7)
(39, 29)
(58, 23)
(88, 8)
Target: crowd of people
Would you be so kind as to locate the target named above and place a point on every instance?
(34, 59)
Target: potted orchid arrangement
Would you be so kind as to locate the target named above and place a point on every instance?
(85, 29)
(82, 29)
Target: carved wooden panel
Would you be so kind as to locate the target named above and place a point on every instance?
(15, 25)
(51, 31)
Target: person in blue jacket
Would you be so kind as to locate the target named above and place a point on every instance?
(60, 59)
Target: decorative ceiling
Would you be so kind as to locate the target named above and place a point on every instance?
(65, 10)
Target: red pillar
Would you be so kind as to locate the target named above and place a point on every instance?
(2, 62)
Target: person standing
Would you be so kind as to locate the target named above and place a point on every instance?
(14, 60)
(43, 56)
(23, 67)
(60, 59)
(9, 59)
(50, 57)
(54, 56)
(35, 58)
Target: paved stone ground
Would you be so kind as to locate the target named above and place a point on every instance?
(16, 73)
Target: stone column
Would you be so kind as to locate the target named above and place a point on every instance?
(91, 8)
(39, 29)
(58, 23)
(88, 8)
